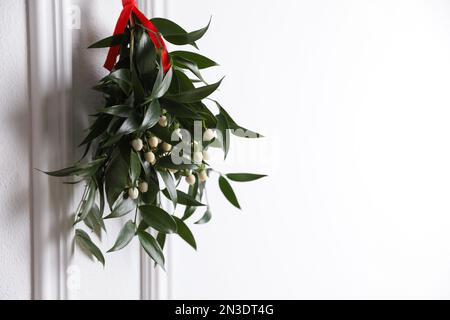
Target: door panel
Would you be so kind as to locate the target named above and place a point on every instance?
(120, 279)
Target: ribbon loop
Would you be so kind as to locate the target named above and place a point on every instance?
(130, 7)
(128, 3)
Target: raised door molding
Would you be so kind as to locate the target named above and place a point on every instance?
(155, 282)
(50, 59)
(50, 85)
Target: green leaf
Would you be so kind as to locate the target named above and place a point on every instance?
(116, 178)
(122, 111)
(130, 125)
(189, 65)
(201, 61)
(167, 163)
(138, 87)
(167, 27)
(145, 55)
(181, 82)
(97, 129)
(110, 88)
(94, 220)
(184, 199)
(114, 126)
(206, 217)
(122, 209)
(188, 213)
(228, 192)
(205, 113)
(70, 171)
(185, 233)
(80, 170)
(177, 35)
(158, 219)
(163, 86)
(110, 141)
(135, 166)
(161, 238)
(163, 133)
(125, 236)
(195, 95)
(153, 189)
(224, 136)
(237, 130)
(87, 148)
(152, 247)
(110, 41)
(170, 185)
(143, 226)
(180, 110)
(194, 35)
(158, 81)
(89, 202)
(244, 177)
(122, 78)
(193, 192)
(152, 115)
(101, 191)
(83, 240)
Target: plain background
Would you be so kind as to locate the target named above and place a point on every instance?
(353, 99)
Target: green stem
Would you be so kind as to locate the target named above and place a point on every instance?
(157, 34)
(135, 215)
(82, 201)
(133, 27)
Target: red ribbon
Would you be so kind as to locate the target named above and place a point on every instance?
(129, 7)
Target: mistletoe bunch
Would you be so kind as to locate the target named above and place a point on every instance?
(153, 132)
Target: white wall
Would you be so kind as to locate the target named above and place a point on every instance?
(353, 97)
(15, 237)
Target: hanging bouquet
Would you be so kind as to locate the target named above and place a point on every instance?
(153, 131)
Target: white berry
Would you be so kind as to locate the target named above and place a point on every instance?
(173, 171)
(198, 157)
(137, 145)
(150, 157)
(153, 142)
(203, 176)
(166, 147)
(209, 135)
(143, 187)
(133, 193)
(190, 179)
(163, 121)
